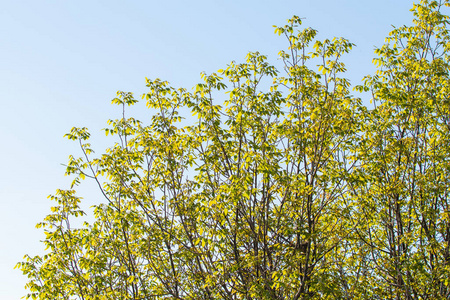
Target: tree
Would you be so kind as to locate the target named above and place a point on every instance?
(405, 156)
(289, 188)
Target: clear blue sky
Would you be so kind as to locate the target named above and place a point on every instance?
(61, 62)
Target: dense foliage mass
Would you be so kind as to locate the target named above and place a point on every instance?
(289, 188)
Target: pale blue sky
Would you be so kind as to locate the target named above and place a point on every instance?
(61, 62)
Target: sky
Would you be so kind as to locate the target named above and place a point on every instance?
(62, 61)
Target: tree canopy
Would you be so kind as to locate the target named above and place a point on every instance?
(281, 185)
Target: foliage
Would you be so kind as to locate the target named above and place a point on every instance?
(289, 188)
(405, 155)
